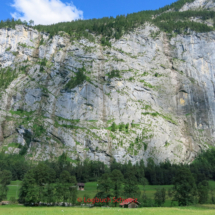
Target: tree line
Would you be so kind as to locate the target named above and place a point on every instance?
(54, 181)
(41, 185)
(185, 190)
(110, 27)
(11, 23)
(202, 168)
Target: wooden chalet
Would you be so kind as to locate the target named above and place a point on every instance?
(129, 203)
(80, 186)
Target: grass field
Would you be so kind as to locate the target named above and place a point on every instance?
(13, 189)
(90, 190)
(21, 210)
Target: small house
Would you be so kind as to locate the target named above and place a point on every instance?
(80, 186)
(129, 203)
(4, 203)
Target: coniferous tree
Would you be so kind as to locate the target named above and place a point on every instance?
(131, 190)
(5, 179)
(113, 127)
(104, 187)
(117, 181)
(184, 187)
(29, 191)
(160, 197)
(203, 191)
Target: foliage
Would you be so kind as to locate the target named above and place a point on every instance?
(131, 189)
(160, 197)
(104, 187)
(146, 201)
(184, 187)
(11, 23)
(3, 192)
(183, 27)
(179, 21)
(203, 191)
(16, 164)
(203, 14)
(5, 179)
(79, 78)
(38, 130)
(29, 191)
(105, 42)
(52, 177)
(7, 75)
(116, 180)
(113, 127)
(109, 27)
(43, 62)
(121, 127)
(41, 41)
(155, 114)
(114, 73)
(13, 200)
(41, 184)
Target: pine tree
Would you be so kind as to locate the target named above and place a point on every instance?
(5, 179)
(131, 190)
(203, 190)
(184, 187)
(117, 181)
(160, 197)
(29, 191)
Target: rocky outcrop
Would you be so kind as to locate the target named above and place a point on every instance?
(199, 5)
(164, 93)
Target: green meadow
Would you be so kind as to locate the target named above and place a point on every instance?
(91, 190)
(21, 210)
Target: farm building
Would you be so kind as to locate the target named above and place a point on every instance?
(80, 186)
(4, 203)
(129, 203)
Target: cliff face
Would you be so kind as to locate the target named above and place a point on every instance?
(164, 91)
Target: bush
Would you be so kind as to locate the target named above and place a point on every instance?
(145, 201)
(113, 127)
(122, 127)
(79, 78)
(114, 73)
(203, 190)
(23, 150)
(160, 197)
(13, 200)
(6, 77)
(105, 42)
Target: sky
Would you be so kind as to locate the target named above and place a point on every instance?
(53, 11)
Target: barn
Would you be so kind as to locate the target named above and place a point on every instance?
(129, 203)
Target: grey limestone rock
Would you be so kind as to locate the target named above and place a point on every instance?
(165, 95)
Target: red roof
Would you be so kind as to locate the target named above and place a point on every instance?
(128, 201)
